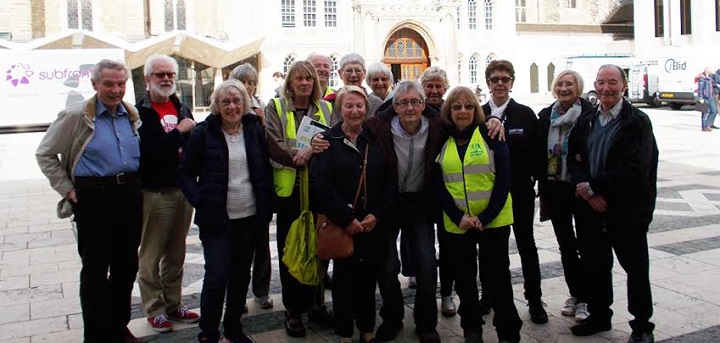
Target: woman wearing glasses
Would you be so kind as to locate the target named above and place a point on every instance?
(472, 181)
(525, 141)
(226, 176)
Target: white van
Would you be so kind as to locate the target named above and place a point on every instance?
(643, 80)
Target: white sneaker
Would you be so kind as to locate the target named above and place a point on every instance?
(569, 308)
(265, 302)
(581, 312)
(447, 306)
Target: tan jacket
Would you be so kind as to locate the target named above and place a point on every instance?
(68, 136)
(279, 146)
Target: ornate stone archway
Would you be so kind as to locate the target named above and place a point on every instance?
(406, 53)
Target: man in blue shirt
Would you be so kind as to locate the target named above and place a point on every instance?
(96, 174)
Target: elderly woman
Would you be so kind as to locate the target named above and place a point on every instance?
(435, 83)
(525, 141)
(352, 73)
(248, 75)
(225, 175)
(339, 170)
(379, 78)
(301, 97)
(557, 191)
(472, 182)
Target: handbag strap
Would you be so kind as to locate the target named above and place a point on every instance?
(362, 181)
(304, 189)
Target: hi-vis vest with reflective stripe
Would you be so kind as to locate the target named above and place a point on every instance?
(284, 177)
(470, 183)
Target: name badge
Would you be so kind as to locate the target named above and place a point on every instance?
(519, 131)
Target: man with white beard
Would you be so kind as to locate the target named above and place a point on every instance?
(166, 125)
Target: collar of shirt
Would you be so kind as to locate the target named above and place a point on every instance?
(398, 130)
(612, 113)
(101, 109)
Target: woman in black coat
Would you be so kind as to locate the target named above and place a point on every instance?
(557, 191)
(225, 174)
(338, 170)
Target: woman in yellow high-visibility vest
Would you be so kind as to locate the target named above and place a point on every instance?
(472, 182)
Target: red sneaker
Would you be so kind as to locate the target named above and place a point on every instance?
(183, 314)
(160, 323)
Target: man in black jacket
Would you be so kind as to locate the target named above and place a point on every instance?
(613, 159)
(166, 124)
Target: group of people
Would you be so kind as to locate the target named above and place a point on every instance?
(708, 92)
(410, 162)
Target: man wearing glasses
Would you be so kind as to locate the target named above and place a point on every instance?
(166, 125)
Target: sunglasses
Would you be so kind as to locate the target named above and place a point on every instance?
(458, 107)
(162, 75)
(504, 79)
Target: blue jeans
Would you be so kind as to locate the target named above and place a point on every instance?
(709, 117)
(421, 242)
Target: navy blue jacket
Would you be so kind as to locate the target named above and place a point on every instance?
(159, 157)
(203, 172)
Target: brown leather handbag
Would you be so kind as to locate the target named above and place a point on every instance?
(334, 241)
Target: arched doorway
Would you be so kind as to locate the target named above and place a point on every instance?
(406, 53)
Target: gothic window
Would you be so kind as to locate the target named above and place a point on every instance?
(488, 15)
(550, 76)
(473, 69)
(334, 77)
(459, 69)
(309, 13)
(457, 17)
(289, 60)
(175, 16)
(472, 14)
(330, 13)
(287, 13)
(406, 44)
(534, 84)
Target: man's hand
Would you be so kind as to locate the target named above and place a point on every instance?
(368, 223)
(495, 128)
(302, 157)
(318, 144)
(598, 203)
(468, 222)
(185, 125)
(355, 227)
(583, 191)
(72, 196)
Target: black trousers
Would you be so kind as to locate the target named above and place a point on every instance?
(489, 249)
(353, 294)
(523, 215)
(561, 201)
(297, 297)
(598, 239)
(444, 270)
(109, 226)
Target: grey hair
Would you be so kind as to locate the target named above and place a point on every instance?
(405, 86)
(108, 64)
(244, 72)
(435, 73)
(579, 83)
(378, 67)
(223, 89)
(150, 61)
(316, 54)
(616, 67)
(352, 57)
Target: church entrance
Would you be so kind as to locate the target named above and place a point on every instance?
(406, 53)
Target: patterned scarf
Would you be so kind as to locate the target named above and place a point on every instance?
(561, 123)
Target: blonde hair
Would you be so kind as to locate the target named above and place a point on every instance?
(302, 68)
(579, 83)
(455, 95)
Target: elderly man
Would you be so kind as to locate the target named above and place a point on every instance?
(96, 174)
(323, 66)
(352, 72)
(613, 159)
(166, 214)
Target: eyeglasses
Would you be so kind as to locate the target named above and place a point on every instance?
(458, 107)
(162, 75)
(405, 103)
(353, 70)
(504, 79)
(227, 102)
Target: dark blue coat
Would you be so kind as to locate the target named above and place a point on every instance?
(203, 172)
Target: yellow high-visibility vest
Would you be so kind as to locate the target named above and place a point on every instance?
(283, 176)
(470, 182)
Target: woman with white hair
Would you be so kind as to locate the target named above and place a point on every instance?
(352, 73)
(379, 78)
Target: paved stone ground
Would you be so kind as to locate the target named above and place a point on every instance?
(39, 264)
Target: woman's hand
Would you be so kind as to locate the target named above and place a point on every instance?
(598, 203)
(318, 144)
(355, 227)
(260, 113)
(495, 128)
(302, 157)
(468, 222)
(368, 223)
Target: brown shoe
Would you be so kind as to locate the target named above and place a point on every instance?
(294, 326)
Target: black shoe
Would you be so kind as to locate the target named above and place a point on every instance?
(387, 332)
(537, 311)
(484, 307)
(641, 337)
(587, 328)
(321, 316)
(429, 336)
(714, 127)
(294, 326)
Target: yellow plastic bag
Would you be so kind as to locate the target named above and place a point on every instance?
(301, 242)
